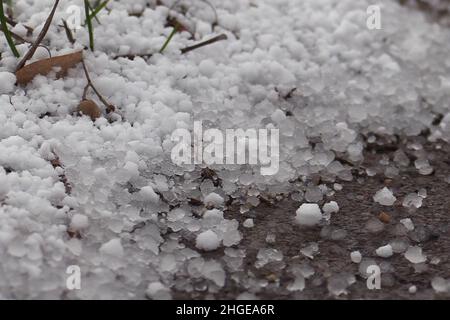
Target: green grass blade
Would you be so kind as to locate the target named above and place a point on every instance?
(89, 25)
(6, 31)
(97, 9)
(168, 39)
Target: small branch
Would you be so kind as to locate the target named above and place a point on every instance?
(39, 39)
(204, 43)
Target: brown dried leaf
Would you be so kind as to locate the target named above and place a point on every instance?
(45, 66)
(384, 217)
(89, 108)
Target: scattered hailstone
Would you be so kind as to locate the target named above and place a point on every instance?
(310, 250)
(330, 207)
(148, 194)
(213, 200)
(337, 284)
(356, 256)
(308, 214)
(422, 193)
(435, 261)
(408, 224)
(398, 245)
(440, 285)
(412, 289)
(414, 255)
(298, 284)
(338, 234)
(412, 200)
(364, 266)
(423, 166)
(246, 296)
(374, 225)
(385, 197)
(267, 255)
(112, 248)
(271, 238)
(248, 223)
(213, 270)
(157, 291)
(207, 240)
(384, 251)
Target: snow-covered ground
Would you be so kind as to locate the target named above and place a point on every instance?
(105, 195)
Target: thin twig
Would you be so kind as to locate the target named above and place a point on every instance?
(84, 97)
(183, 51)
(220, 37)
(39, 39)
(109, 106)
(132, 56)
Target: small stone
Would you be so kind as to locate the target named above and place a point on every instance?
(384, 217)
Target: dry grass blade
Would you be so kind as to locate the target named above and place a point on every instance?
(39, 39)
(204, 43)
(43, 67)
(69, 33)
